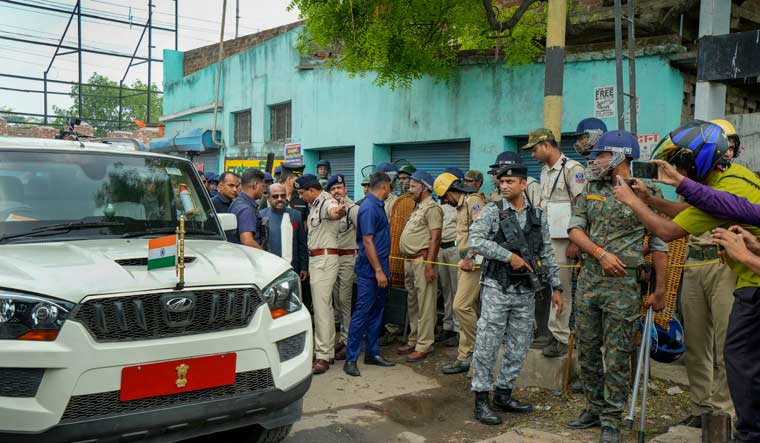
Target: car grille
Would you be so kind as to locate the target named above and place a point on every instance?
(106, 404)
(147, 317)
(143, 261)
(291, 346)
(20, 382)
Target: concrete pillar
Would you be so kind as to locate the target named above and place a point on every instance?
(710, 99)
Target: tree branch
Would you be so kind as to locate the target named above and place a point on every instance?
(496, 25)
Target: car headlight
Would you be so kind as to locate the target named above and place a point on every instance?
(31, 317)
(284, 294)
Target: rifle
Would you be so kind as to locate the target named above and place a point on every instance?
(537, 279)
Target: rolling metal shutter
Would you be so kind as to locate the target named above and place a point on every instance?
(566, 145)
(341, 162)
(434, 158)
(210, 160)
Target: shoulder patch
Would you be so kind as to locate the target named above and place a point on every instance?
(476, 209)
(580, 178)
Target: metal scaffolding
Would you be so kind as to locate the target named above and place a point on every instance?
(60, 49)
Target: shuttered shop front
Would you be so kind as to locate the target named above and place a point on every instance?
(210, 160)
(434, 158)
(341, 162)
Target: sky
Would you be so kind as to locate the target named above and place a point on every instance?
(199, 25)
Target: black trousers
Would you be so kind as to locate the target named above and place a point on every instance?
(742, 356)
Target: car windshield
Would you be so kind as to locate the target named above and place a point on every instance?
(52, 196)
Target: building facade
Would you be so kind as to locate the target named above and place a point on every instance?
(270, 96)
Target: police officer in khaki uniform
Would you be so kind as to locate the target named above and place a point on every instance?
(507, 158)
(323, 225)
(447, 275)
(347, 250)
(420, 242)
(468, 203)
(562, 181)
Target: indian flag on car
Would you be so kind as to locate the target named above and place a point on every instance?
(162, 252)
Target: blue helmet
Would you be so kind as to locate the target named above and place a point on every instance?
(456, 172)
(424, 178)
(617, 141)
(389, 168)
(667, 344)
(589, 125)
(698, 147)
(323, 163)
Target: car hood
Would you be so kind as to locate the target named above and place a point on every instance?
(72, 270)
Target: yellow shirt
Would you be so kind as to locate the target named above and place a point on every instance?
(737, 180)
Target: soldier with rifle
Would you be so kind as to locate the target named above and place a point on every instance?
(513, 237)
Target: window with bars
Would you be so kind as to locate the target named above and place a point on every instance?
(243, 127)
(280, 122)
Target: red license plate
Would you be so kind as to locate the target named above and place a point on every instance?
(173, 377)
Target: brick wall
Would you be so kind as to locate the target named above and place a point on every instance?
(200, 58)
(145, 135)
(39, 131)
(119, 134)
(739, 100)
(3, 126)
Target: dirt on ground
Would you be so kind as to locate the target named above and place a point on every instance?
(445, 414)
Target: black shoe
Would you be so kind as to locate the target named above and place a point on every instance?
(692, 421)
(351, 369)
(540, 342)
(555, 349)
(378, 360)
(483, 411)
(444, 335)
(584, 421)
(457, 367)
(609, 435)
(503, 401)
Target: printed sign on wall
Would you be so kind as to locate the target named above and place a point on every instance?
(238, 165)
(604, 102)
(647, 143)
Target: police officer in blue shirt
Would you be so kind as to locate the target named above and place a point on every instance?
(246, 209)
(372, 271)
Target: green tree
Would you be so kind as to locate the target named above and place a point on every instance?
(23, 120)
(103, 103)
(402, 40)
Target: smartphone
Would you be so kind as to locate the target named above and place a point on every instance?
(641, 169)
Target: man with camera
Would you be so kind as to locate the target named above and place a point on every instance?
(513, 238)
(608, 300)
(698, 150)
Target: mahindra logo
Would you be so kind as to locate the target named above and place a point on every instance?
(178, 305)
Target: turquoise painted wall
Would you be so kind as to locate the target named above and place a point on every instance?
(485, 104)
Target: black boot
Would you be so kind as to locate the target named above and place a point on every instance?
(483, 411)
(610, 435)
(503, 401)
(584, 421)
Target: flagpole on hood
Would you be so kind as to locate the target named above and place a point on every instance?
(181, 253)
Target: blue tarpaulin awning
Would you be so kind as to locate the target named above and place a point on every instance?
(194, 140)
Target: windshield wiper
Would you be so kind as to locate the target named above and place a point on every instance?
(168, 230)
(62, 227)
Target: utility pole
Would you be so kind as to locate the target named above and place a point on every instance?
(710, 98)
(237, 17)
(79, 52)
(555, 66)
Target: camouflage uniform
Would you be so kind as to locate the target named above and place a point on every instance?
(608, 307)
(506, 313)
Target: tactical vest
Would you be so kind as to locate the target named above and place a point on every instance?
(510, 236)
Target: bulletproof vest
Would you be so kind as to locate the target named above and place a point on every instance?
(508, 236)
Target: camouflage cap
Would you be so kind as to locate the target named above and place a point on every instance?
(537, 136)
(474, 176)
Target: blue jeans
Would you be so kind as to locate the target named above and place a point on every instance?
(366, 319)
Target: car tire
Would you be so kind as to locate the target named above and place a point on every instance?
(275, 435)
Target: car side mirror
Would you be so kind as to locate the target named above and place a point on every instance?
(228, 221)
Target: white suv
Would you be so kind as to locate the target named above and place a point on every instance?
(94, 347)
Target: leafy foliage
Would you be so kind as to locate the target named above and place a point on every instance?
(402, 40)
(105, 105)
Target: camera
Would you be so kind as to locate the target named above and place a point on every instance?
(640, 169)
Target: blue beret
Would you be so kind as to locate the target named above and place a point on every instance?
(334, 180)
(307, 181)
(211, 177)
(323, 163)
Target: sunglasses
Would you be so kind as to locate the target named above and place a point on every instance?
(279, 196)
